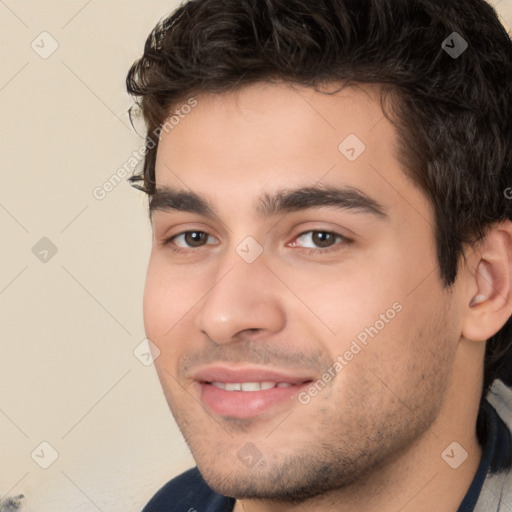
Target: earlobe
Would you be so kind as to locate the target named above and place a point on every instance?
(491, 305)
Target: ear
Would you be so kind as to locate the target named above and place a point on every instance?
(489, 294)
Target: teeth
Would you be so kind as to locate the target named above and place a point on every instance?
(250, 386)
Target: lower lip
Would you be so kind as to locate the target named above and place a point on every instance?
(246, 404)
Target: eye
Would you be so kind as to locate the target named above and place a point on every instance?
(189, 239)
(318, 240)
(314, 240)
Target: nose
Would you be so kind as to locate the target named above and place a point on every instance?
(242, 298)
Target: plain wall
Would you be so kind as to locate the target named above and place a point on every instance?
(70, 321)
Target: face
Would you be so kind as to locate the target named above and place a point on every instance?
(304, 333)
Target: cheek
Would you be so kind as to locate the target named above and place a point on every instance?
(376, 321)
(168, 300)
(166, 309)
(346, 302)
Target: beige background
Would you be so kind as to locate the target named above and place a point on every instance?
(70, 324)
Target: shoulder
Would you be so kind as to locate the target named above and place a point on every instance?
(189, 492)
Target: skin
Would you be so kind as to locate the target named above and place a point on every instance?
(372, 438)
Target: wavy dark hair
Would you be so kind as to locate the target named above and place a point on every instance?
(453, 114)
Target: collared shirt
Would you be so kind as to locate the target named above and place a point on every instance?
(496, 456)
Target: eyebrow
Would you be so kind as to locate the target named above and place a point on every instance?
(281, 202)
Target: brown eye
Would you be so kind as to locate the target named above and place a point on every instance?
(195, 238)
(319, 239)
(190, 240)
(323, 238)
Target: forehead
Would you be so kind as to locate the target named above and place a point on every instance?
(243, 144)
(280, 117)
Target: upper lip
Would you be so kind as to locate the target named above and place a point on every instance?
(219, 373)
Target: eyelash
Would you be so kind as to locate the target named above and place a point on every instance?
(178, 250)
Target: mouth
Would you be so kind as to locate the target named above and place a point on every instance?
(248, 392)
(250, 386)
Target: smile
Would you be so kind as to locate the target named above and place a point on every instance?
(250, 386)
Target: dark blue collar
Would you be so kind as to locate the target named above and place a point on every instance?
(496, 455)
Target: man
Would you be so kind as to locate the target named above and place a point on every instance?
(330, 284)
